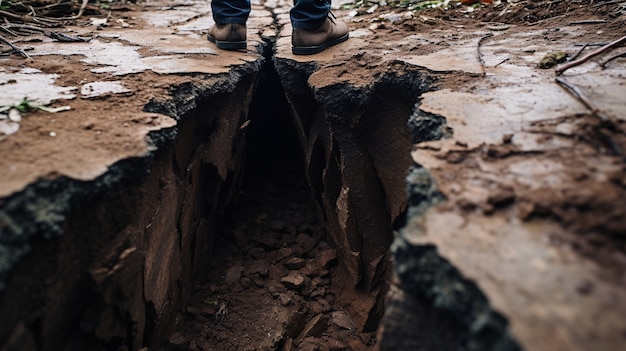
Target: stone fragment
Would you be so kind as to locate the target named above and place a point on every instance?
(233, 274)
(318, 292)
(336, 345)
(259, 282)
(295, 263)
(325, 258)
(178, 339)
(288, 346)
(314, 327)
(319, 306)
(245, 282)
(310, 268)
(284, 253)
(307, 242)
(284, 299)
(293, 280)
(342, 320)
(269, 243)
(299, 251)
(278, 225)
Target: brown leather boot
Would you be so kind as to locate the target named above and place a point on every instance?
(229, 36)
(308, 42)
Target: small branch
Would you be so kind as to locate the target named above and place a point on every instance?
(605, 123)
(565, 67)
(80, 12)
(6, 30)
(607, 3)
(603, 63)
(15, 48)
(582, 97)
(578, 52)
(501, 62)
(587, 22)
(592, 44)
(480, 56)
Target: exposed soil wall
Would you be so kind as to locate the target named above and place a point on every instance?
(355, 138)
(113, 260)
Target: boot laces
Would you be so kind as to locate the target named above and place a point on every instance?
(331, 16)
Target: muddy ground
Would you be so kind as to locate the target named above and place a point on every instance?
(274, 280)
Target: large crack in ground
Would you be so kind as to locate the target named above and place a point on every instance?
(300, 259)
(270, 285)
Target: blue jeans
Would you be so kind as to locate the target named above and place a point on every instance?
(305, 14)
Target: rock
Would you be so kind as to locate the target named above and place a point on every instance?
(278, 225)
(269, 244)
(259, 282)
(245, 282)
(299, 251)
(233, 274)
(336, 345)
(178, 339)
(307, 242)
(320, 306)
(293, 280)
(288, 346)
(342, 320)
(295, 263)
(314, 327)
(284, 299)
(325, 258)
(310, 269)
(318, 292)
(284, 253)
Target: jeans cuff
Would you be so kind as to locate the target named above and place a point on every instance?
(230, 20)
(307, 25)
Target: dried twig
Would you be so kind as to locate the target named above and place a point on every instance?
(80, 12)
(604, 62)
(598, 21)
(578, 52)
(480, 56)
(563, 68)
(605, 123)
(15, 48)
(50, 34)
(582, 97)
(591, 44)
(605, 3)
(501, 62)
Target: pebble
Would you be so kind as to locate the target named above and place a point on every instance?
(342, 320)
(295, 263)
(293, 280)
(325, 258)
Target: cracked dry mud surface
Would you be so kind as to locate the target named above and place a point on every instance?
(530, 186)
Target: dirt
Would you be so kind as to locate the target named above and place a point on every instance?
(274, 280)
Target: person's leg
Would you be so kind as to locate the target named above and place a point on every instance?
(229, 31)
(314, 27)
(309, 14)
(230, 11)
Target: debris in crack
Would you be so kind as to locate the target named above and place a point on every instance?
(270, 283)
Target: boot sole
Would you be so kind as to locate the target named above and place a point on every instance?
(310, 50)
(228, 45)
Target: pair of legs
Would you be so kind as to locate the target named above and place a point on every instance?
(305, 14)
(313, 29)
